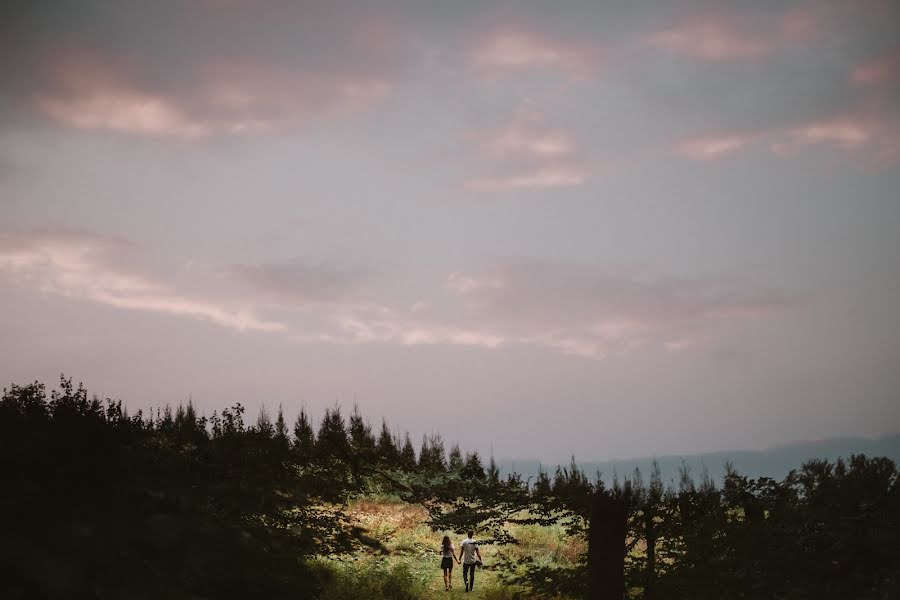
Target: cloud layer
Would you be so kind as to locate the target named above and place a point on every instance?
(91, 267)
(576, 310)
(221, 68)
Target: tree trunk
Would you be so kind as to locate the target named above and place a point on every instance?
(606, 548)
(650, 534)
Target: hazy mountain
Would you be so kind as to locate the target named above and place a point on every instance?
(774, 462)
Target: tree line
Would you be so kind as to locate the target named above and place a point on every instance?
(102, 504)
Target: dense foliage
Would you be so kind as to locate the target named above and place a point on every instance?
(100, 504)
(828, 530)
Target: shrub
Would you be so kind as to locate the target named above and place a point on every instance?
(372, 582)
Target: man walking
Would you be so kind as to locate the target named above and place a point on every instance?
(470, 557)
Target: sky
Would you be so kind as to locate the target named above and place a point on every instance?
(606, 229)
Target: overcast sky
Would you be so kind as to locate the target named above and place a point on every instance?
(543, 227)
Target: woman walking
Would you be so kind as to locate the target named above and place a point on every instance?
(447, 558)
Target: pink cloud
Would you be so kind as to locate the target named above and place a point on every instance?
(554, 176)
(530, 154)
(736, 36)
(123, 111)
(90, 267)
(242, 92)
(574, 310)
(845, 133)
(878, 71)
(586, 311)
(571, 309)
(710, 148)
(89, 93)
(520, 49)
(711, 39)
(372, 323)
(517, 139)
(874, 137)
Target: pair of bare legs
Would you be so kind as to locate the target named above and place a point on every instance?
(448, 578)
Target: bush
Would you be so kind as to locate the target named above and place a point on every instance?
(373, 582)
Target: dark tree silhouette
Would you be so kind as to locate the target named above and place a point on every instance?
(304, 442)
(98, 503)
(388, 454)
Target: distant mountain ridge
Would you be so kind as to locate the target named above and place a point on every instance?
(774, 462)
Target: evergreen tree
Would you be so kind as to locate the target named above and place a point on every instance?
(424, 462)
(280, 425)
(436, 447)
(264, 422)
(386, 449)
(493, 473)
(332, 442)
(542, 486)
(281, 431)
(473, 469)
(304, 443)
(407, 458)
(179, 417)
(361, 438)
(431, 456)
(167, 423)
(190, 415)
(455, 461)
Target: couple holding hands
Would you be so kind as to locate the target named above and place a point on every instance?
(469, 556)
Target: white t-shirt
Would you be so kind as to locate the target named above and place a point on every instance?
(448, 552)
(468, 546)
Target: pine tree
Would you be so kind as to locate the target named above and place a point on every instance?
(542, 486)
(179, 417)
(438, 459)
(387, 450)
(493, 473)
(280, 425)
(473, 468)
(332, 440)
(196, 424)
(264, 422)
(424, 462)
(455, 459)
(304, 443)
(361, 438)
(407, 459)
(281, 430)
(167, 423)
(190, 415)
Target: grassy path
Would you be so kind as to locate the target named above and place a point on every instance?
(484, 580)
(412, 544)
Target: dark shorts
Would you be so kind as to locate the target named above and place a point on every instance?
(447, 563)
